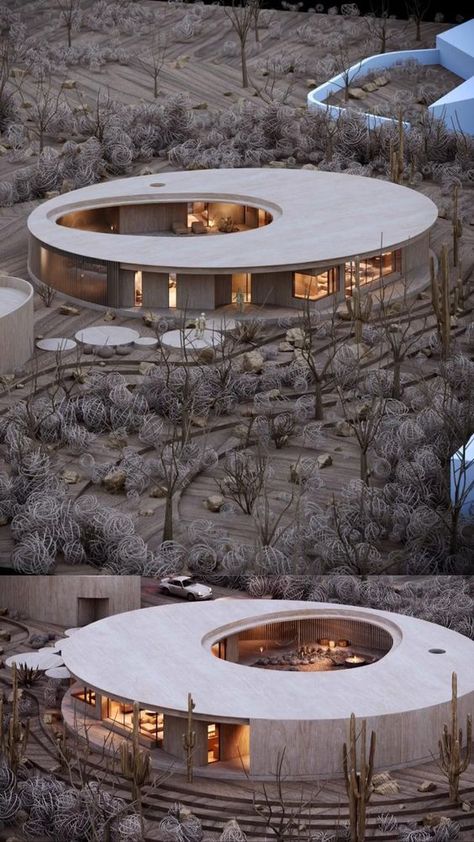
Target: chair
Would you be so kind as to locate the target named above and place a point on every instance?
(198, 228)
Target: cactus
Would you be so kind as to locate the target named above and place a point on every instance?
(14, 738)
(358, 778)
(135, 764)
(457, 226)
(27, 676)
(359, 308)
(397, 163)
(451, 752)
(440, 296)
(189, 740)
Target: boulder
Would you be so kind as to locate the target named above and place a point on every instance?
(285, 347)
(356, 93)
(309, 167)
(68, 310)
(311, 83)
(277, 165)
(426, 786)
(296, 336)
(70, 477)
(201, 106)
(69, 84)
(87, 349)
(148, 319)
(38, 640)
(118, 439)
(466, 806)
(51, 194)
(145, 367)
(114, 482)
(214, 502)
(343, 429)
(3, 520)
(109, 316)
(272, 394)
(123, 350)
(369, 87)
(252, 361)
(434, 819)
(324, 460)
(158, 491)
(342, 311)
(206, 355)
(380, 81)
(199, 421)
(146, 512)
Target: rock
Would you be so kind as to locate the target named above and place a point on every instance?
(466, 806)
(109, 316)
(426, 786)
(158, 491)
(3, 150)
(206, 355)
(145, 367)
(148, 319)
(214, 503)
(388, 788)
(69, 84)
(51, 194)
(311, 83)
(106, 352)
(114, 482)
(324, 460)
(356, 93)
(309, 167)
(296, 336)
(38, 640)
(123, 350)
(68, 310)
(285, 347)
(20, 386)
(198, 421)
(3, 520)
(369, 87)
(277, 165)
(343, 429)
(342, 311)
(201, 106)
(434, 819)
(380, 81)
(70, 477)
(146, 512)
(87, 349)
(252, 361)
(272, 394)
(118, 438)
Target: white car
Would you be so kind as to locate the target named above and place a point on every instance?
(184, 587)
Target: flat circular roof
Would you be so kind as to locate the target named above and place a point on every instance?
(13, 297)
(318, 218)
(156, 656)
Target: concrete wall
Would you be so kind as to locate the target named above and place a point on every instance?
(140, 219)
(234, 741)
(127, 287)
(456, 49)
(173, 729)
(416, 256)
(16, 326)
(195, 292)
(54, 599)
(315, 748)
(155, 289)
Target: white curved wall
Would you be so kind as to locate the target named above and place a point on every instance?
(16, 323)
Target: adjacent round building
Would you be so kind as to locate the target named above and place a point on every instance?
(204, 239)
(16, 323)
(269, 676)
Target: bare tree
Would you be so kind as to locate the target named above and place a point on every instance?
(70, 13)
(153, 62)
(242, 16)
(45, 109)
(416, 11)
(378, 25)
(345, 68)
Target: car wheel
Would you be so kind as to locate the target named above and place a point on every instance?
(190, 597)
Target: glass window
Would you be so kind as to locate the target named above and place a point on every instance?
(372, 268)
(241, 286)
(150, 722)
(314, 285)
(85, 695)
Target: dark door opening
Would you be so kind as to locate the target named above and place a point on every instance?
(90, 609)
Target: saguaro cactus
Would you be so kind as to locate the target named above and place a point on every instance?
(135, 763)
(13, 740)
(358, 777)
(359, 308)
(454, 761)
(189, 739)
(457, 226)
(440, 296)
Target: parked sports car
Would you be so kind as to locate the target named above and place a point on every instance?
(184, 587)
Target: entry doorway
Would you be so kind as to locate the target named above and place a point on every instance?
(213, 743)
(241, 285)
(172, 290)
(90, 609)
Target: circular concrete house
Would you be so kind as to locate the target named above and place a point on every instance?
(265, 677)
(16, 323)
(204, 239)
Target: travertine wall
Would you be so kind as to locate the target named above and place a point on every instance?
(315, 747)
(140, 219)
(16, 327)
(173, 729)
(415, 256)
(54, 599)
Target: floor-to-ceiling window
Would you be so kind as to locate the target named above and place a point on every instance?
(315, 285)
(241, 286)
(372, 268)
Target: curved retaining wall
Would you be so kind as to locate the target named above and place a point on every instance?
(16, 326)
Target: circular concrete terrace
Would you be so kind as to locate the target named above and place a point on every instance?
(156, 656)
(318, 217)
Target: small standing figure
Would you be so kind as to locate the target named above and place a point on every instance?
(202, 325)
(239, 300)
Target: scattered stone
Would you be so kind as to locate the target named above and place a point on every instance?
(51, 194)
(206, 355)
(3, 520)
(118, 438)
(342, 311)
(296, 336)
(242, 432)
(148, 319)
(123, 350)
(426, 786)
(466, 806)
(201, 106)
(380, 81)
(277, 165)
(198, 421)
(38, 640)
(381, 778)
(20, 386)
(158, 491)
(145, 367)
(427, 352)
(311, 83)
(146, 512)
(68, 310)
(309, 167)
(109, 316)
(69, 84)
(324, 460)
(343, 429)
(3, 150)
(252, 361)
(356, 93)
(70, 477)
(369, 87)
(214, 503)
(114, 482)
(434, 819)
(272, 394)
(285, 347)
